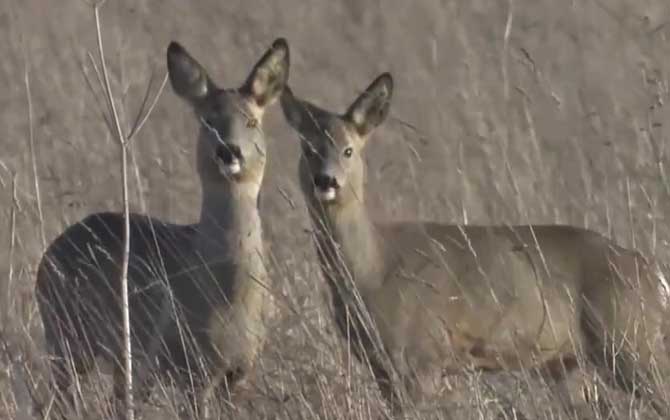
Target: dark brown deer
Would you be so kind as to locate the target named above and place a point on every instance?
(198, 293)
(421, 299)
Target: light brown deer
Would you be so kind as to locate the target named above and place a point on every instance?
(421, 299)
(198, 293)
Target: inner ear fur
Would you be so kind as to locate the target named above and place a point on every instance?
(300, 114)
(269, 76)
(187, 77)
(371, 108)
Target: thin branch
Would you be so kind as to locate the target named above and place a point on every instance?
(144, 112)
(145, 99)
(91, 87)
(505, 51)
(12, 247)
(99, 77)
(123, 144)
(33, 158)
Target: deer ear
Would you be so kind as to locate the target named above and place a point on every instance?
(293, 108)
(372, 107)
(300, 114)
(188, 78)
(269, 76)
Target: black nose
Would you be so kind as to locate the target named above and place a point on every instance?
(325, 181)
(228, 152)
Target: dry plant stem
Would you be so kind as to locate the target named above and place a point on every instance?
(631, 222)
(508, 30)
(33, 158)
(142, 116)
(12, 247)
(91, 87)
(123, 144)
(144, 112)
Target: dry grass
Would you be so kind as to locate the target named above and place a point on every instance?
(545, 112)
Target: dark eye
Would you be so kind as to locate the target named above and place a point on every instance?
(252, 123)
(348, 152)
(207, 122)
(308, 150)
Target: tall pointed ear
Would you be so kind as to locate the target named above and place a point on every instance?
(188, 78)
(293, 108)
(372, 107)
(300, 114)
(269, 76)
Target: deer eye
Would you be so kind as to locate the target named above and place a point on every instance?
(308, 149)
(252, 123)
(207, 122)
(348, 152)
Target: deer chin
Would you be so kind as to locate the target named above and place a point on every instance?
(325, 196)
(230, 170)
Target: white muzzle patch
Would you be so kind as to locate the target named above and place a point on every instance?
(326, 195)
(231, 169)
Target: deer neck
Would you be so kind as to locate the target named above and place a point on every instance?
(229, 226)
(229, 208)
(348, 241)
(229, 240)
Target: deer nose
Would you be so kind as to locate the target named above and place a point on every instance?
(228, 152)
(325, 181)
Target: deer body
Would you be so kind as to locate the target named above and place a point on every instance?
(198, 294)
(529, 318)
(420, 299)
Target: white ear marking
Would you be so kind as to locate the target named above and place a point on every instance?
(358, 117)
(202, 91)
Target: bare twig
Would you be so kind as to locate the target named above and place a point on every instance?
(631, 221)
(12, 248)
(144, 111)
(33, 158)
(111, 117)
(505, 51)
(89, 83)
(123, 147)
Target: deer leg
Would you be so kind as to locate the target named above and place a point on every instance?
(628, 370)
(66, 366)
(233, 382)
(62, 377)
(556, 374)
(142, 388)
(191, 380)
(191, 394)
(387, 389)
(225, 387)
(638, 379)
(629, 358)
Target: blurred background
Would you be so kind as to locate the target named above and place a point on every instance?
(506, 112)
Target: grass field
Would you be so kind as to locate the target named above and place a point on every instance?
(506, 112)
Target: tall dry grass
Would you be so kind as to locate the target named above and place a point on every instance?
(506, 112)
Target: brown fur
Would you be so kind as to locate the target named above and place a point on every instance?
(198, 293)
(420, 299)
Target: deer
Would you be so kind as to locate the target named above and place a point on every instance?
(418, 300)
(199, 294)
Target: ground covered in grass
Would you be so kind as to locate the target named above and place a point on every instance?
(517, 111)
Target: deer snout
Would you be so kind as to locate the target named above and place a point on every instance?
(325, 187)
(228, 153)
(324, 182)
(229, 158)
